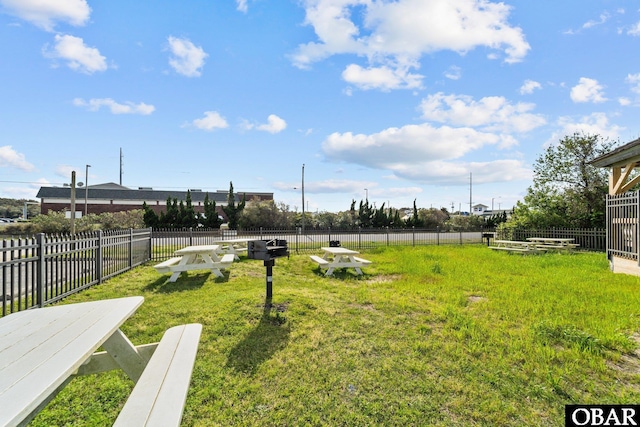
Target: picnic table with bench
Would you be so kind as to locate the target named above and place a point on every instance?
(516, 246)
(42, 349)
(554, 243)
(232, 246)
(201, 257)
(338, 257)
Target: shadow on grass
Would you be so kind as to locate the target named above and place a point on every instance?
(163, 285)
(270, 336)
(341, 273)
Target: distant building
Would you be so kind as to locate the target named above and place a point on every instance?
(479, 209)
(111, 197)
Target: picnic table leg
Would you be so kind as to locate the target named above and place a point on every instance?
(185, 259)
(213, 258)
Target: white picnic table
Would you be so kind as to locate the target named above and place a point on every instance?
(199, 257)
(553, 242)
(339, 257)
(516, 246)
(42, 349)
(232, 246)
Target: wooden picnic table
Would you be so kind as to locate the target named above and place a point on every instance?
(42, 349)
(200, 257)
(339, 257)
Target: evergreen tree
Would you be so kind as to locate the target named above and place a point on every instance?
(231, 210)
(150, 217)
(211, 218)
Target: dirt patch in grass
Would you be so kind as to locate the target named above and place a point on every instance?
(629, 363)
(476, 298)
(384, 278)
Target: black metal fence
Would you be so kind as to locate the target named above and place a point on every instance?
(623, 212)
(165, 242)
(40, 270)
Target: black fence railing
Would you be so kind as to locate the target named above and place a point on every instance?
(166, 241)
(40, 270)
(623, 214)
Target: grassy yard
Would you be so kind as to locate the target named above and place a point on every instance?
(436, 335)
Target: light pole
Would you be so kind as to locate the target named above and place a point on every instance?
(73, 202)
(86, 188)
(303, 198)
(366, 190)
(492, 199)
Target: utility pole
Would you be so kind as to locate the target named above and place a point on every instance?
(120, 165)
(86, 188)
(470, 194)
(73, 202)
(303, 198)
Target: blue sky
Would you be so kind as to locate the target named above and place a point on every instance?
(394, 100)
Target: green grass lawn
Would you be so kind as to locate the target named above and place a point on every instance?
(435, 335)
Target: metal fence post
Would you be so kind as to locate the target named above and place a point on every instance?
(130, 248)
(413, 235)
(99, 255)
(40, 270)
(387, 236)
(437, 235)
(359, 237)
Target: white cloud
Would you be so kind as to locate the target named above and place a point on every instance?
(383, 78)
(493, 113)
(79, 57)
(587, 90)
(187, 58)
(95, 104)
(45, 13)
(394, 148)
(593, 124)
(274, 124)
(624, 101)
(211, 120)
(634, 81)
(394, 35)
(604, 17)
(635, 30)
(453, 73)
(450, 173)
(65, 171)
(242, 6)
(327, 186)
(529, 86)
(10, 158)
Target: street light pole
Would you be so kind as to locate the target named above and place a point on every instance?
(73, 202)
(303, 198)
(366, 192)
(86, 188)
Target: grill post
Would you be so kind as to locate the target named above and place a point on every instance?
(269, 263)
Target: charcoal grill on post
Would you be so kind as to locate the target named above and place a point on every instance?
(267, 251)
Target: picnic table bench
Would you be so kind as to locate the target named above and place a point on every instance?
(338, 257)
(41, 350)
(201, 257)
(516, 246)
(232, 246)
(551, 243)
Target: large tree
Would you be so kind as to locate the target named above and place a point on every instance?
(232, 210)
(567, 191)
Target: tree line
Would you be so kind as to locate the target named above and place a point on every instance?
(567, 192)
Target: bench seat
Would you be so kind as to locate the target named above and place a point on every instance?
(227, 259)
(321, 261)
(361, 260)
(163, 267)
(159, 396)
